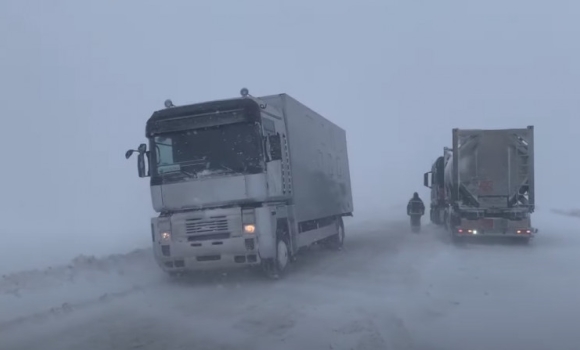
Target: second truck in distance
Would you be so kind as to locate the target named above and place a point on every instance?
(484, 184)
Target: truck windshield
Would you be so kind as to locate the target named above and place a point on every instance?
(225, 149)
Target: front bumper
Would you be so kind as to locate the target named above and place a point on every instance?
(207, 255)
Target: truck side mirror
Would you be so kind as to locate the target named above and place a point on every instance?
(426, 179)
(141, 165)
(142, 150)
(275, 147)
(129, 153)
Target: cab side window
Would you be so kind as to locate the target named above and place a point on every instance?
(269, 126)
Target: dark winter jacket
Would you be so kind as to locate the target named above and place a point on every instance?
(415, 206)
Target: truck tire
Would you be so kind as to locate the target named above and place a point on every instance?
(434, 216)
(276, 267)
(282, 255)
(337, 241)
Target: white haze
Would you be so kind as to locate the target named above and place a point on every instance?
(79, 79)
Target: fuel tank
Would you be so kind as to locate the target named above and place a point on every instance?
(493, 167)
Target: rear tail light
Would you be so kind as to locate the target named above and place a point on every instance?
(460, 230)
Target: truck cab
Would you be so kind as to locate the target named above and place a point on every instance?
(209, 167)
(435, 181)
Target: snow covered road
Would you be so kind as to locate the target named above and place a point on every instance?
(388, 289)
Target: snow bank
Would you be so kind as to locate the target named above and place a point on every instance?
(53, 290)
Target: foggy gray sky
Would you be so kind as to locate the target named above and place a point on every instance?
(78, 80)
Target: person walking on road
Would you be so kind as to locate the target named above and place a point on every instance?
(415, 209)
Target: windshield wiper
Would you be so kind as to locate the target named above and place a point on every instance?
(226, 168)
(188, 174)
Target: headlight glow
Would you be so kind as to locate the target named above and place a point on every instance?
(249, 228)
(165, 236)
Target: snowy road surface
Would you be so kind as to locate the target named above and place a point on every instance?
(388, 289)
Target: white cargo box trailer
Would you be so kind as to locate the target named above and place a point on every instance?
(318, 162)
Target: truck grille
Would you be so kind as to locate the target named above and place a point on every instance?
(215, 227)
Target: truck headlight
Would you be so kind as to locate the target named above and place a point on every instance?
(249, 220)
(165, 236)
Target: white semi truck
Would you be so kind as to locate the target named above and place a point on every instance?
(243, 181)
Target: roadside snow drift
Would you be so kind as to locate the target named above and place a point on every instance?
(35, 294)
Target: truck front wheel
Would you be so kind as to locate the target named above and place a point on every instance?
(434, 216)
(275, 267)
(282, 255)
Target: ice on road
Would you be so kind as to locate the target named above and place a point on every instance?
(388, 289)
